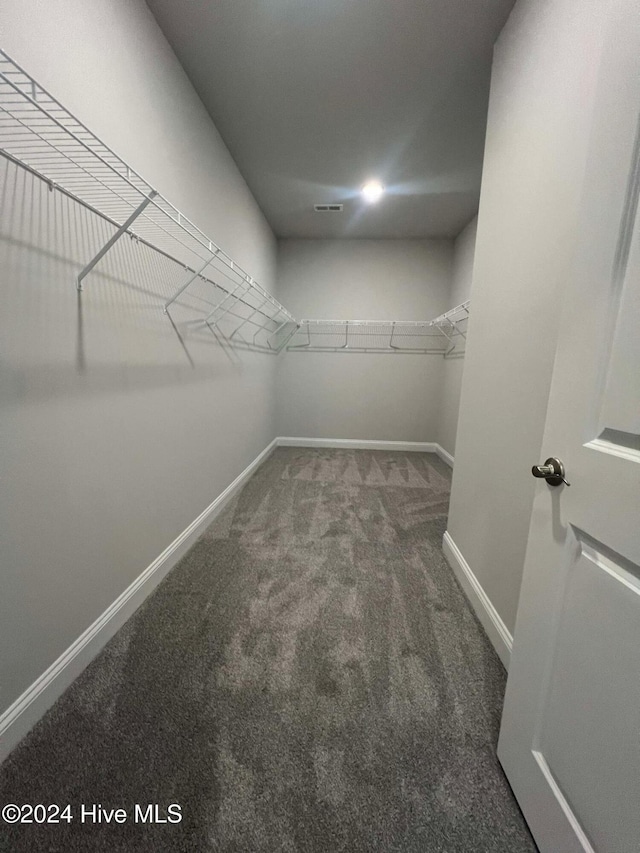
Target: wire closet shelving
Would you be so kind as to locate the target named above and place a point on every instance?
(446, 334)
(40, 135)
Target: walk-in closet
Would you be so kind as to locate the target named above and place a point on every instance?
(296, 298)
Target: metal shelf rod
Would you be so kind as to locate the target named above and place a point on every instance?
(104, 216)
(191, 278)
(42, 133)
(385, 335)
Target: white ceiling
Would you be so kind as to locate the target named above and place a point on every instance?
(314, 97)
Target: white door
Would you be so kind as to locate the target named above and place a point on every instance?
(570, 736)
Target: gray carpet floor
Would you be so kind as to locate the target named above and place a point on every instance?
(310, 677)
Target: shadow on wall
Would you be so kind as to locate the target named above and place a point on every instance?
(115, 331)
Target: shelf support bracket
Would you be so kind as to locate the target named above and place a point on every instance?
(393, 331)
(299, 326)
(448, 337)
(296, 326)
(289, 336)
(246, 319)
(230, 294)
(122, 230)
(275, 331)
(189, 281)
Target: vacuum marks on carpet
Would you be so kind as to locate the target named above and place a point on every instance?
(310, 677)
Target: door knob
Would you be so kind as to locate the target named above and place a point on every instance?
(552, 471)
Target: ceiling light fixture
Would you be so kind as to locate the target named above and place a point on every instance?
(372, 191)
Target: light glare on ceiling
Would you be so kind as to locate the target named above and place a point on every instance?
(372, 191)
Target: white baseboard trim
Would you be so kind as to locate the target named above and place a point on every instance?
(358, 444)
(444, 455)
(497, 631)
(25, 712)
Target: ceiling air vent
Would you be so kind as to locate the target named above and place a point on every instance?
(328, 208)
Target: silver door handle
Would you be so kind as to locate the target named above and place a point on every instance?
(552, 471)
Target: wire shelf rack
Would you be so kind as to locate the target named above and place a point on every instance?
(443, 335)
(41, 135)
(453, 325)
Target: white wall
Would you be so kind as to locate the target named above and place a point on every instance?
(114, 436)
(452, 369)
(542, 91)
(358, 395)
